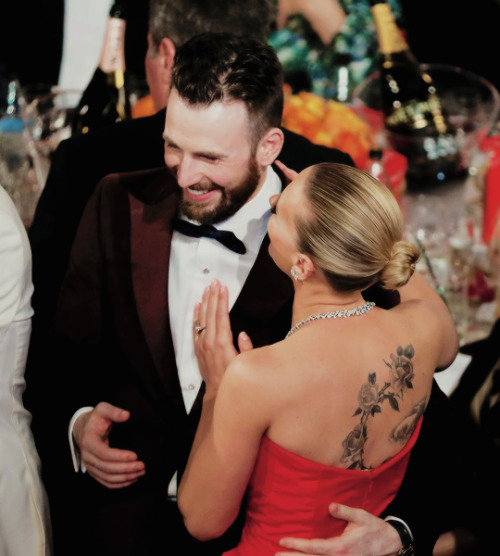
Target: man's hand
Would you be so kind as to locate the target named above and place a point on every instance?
(112, 467)
(365, 535)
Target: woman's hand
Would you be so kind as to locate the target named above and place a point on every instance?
(289, 174)
(213, 339)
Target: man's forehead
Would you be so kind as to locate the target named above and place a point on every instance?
(219, 123)
(223, 109)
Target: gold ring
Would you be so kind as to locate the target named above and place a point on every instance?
(199, 329)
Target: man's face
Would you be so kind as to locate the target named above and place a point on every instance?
(208, 149)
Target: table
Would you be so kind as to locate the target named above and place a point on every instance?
(447, 211)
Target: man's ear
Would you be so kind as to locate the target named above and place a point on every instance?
(167, 53)
(270, 146)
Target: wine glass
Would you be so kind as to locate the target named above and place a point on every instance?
(49, 116)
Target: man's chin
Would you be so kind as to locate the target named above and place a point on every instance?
(202, 213)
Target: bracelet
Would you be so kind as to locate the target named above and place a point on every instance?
(407, 545)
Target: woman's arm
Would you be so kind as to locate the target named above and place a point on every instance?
(233, 420)
(419, 289)
(223, 454)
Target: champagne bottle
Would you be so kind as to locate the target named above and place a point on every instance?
(105, 99)
(411, 105)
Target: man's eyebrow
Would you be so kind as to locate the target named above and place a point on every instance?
(210, 154)
(203, 154)
(167, 139)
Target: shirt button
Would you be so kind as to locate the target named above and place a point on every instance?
(191, 386)
(206, 271)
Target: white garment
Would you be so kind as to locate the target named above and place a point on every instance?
(24, 512)
(84, 29)
(196, 262)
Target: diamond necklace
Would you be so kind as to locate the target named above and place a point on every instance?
(361, 310)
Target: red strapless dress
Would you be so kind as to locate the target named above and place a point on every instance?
(289, 496)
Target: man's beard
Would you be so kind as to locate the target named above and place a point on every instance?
(231, 199)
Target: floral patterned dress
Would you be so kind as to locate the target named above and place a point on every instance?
(310, 65)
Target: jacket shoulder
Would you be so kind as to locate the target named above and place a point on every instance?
(149, 186)
(298, 152)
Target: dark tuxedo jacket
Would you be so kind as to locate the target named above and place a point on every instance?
(113, 328)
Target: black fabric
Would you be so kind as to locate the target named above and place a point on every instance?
(228, 239)
(481, 449)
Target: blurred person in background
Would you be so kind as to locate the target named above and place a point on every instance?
(310, 36)
(314, 37)
(24, 512)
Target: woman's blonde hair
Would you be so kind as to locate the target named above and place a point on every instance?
(353, 230)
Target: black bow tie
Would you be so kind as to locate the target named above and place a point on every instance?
(228, 239)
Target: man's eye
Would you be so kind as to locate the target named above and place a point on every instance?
(210, 158)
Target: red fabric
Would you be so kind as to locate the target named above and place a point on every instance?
(289, 496)
(491, 206)
(396, 165)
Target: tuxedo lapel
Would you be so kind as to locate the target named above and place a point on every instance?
(263, 308)
(151, 238)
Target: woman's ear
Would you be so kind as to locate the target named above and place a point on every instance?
(303, 267)
(270, 146)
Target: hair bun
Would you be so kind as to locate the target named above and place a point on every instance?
(401, 266)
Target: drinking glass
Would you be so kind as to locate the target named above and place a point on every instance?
(49, 117)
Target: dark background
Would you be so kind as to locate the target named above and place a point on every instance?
(31, 39)
(439, 31)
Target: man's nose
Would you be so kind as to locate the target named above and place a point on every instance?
(188, 172)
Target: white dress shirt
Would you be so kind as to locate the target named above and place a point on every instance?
(196, 262)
